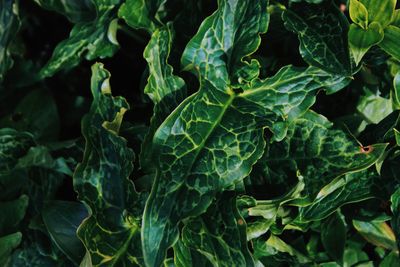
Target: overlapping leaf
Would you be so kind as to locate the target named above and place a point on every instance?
(202, 148)
(111, 233)
(94, 39)
(322, 31)
(9, 23)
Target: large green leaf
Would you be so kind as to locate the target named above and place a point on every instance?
(219, 235)
(203, 148)
(322, 31)
(9, 24)
(111, 233)
(94, 39)
(75, 10)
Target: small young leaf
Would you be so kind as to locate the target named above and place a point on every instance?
(359, 14)
(380, 11)
(361, 40)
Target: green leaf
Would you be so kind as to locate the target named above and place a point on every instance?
(361, 40)
(377, 233)
(15, 211)
(396, 18)
(165, 89)
(358, 13)
(318, 151)
(396, 91)
(380, 11)
(13, 145)
(36, 113)
(390, 43)
(75, 10)
(142, 14)
(392, 259)
(281, 246)
(219, 234)
(111, 233)
(395, 199)
(202, 148)
(322, 32)
(349, 188)
(333, 236)
(62, 219)
(7, 244)
(373, 107)
(94, 39)
(9, 24)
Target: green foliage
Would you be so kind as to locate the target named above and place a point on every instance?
(238, 133)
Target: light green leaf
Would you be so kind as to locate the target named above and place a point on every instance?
(361, 40)
(111, 233)
(75, 10)
(7, 244)
(202, 148)
(373, 107)
(322, 32)
(358, 13)
(94, 39)
(142, 14)
(377, 233)
(281, 246)
(380, 11)
(62, 219)
(9, 24)
(390, 43)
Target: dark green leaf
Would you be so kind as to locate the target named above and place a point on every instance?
(9, 24)
(322, 31)
(202, 148)
(395, 199)
(75, 10)
(62, 219)
(94, 39)
(219, 234)
(7, 244)
(333, 236)
(111, 233)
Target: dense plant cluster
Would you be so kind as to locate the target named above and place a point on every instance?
(232, 133)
